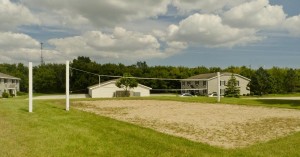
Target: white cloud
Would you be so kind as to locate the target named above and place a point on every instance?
(13, 15)
(255, 14)
(292, 24)
(99, 13)
(9, 40)
(64, 19)
(208, 30)
(17, 47)
(206, 6)
(119, 44)
(213, 23)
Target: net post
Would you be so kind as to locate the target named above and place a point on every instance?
(67, 86)
(30, 86)
(219, 88)
(99, 80)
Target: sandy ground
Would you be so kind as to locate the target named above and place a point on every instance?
(227, 126)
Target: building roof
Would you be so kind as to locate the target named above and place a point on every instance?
(209, 76)
(112, 81)
(2, 75)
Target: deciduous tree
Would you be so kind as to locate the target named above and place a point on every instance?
(126, 83)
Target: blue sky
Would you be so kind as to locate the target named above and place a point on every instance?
(168, 32)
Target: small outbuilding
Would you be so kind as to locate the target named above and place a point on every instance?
(109, 89)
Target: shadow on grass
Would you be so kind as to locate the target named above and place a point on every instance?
(24, 109)
(291, 103)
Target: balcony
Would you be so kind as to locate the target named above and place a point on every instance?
(10, 85)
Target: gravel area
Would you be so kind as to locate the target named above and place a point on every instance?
(227, 126)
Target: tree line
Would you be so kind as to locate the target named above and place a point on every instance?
(50, 78)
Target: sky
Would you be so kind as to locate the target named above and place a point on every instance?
(212, 33)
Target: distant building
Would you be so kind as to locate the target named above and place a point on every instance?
(204, 84)
(9, 84)
(109, 89)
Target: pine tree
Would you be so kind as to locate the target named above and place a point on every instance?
(232, 89)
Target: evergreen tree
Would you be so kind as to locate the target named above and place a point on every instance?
(232, 89)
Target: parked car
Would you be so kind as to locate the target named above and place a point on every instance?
(186, 95)
(212, 95)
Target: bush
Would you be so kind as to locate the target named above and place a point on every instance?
(5, 95)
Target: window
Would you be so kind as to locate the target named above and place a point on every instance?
(12, 81)
(204, 83)
(222, 91)
(183, 83)
(188, 83)
(222, 83)
(5, 80)
(197, 83)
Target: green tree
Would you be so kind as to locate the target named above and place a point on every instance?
(44, 80)
(291, 81)
(278, 77)
(80, 80)
(261, 82)
(232, 89)
(126, 83)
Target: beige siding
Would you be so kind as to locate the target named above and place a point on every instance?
(142, 90)
(212, 84)
(108, 91)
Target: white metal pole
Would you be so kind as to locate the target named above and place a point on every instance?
(219, 88)
(67, 87)
(30, 86)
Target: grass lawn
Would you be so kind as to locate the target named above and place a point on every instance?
(51, 131)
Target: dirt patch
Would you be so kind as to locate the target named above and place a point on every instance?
(227, 126)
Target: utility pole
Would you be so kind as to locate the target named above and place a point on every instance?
(42, 59)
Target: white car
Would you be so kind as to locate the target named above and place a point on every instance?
(186, 95)
(212, 95)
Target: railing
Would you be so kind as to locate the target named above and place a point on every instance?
(193, 87)
(10, 85)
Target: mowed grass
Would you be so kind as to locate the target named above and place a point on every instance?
(52, 131)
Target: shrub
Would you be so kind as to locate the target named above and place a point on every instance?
(21, 93)
(5, 95)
